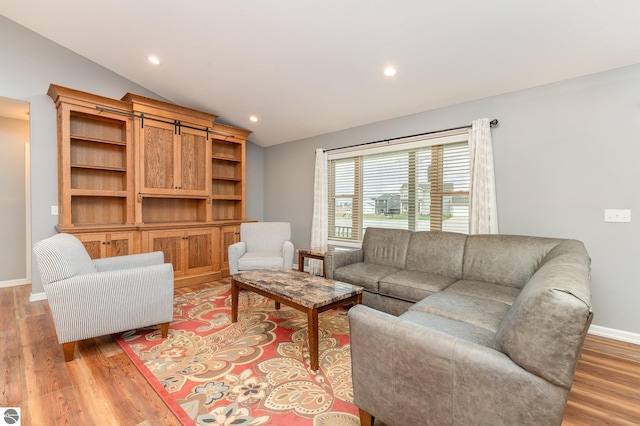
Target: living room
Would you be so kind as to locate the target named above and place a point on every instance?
(564, 151)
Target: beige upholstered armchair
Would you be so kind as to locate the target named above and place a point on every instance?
(262, 245)
(90, 298)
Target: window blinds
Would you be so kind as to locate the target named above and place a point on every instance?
(418, 185)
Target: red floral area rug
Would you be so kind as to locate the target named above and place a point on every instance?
(210, 371)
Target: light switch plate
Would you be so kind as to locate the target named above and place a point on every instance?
(54, 210)
(617, 215)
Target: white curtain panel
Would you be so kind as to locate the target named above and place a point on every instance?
(319, 226)
(483, 208)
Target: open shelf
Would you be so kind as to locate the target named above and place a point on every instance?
(97, 179)
(92, 167)
(96, 140)
(97, 155)
(95, 128)
(166, 210)
(224, 158)
(234, 179)
(98, 210)
(226, 188)
(96, 152)
(226, 151)
(97, 193)
(226, 169)
(227, 209)
(227, 197)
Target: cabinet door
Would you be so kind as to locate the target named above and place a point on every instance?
(120, 244)
(111, 244)
(192, 162)
(174, 160)
(202, 254)
(158, 153)
(229, 234)
(171, 244)
(95, 244)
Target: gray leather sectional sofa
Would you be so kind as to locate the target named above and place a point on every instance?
(461, 330)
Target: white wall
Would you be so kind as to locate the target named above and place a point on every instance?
(564, 152)
(13, 249)
(255, 178)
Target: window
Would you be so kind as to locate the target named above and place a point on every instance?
(419, 183)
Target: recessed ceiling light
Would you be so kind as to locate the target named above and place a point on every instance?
(154, 60)
(253, 118)
(389, 71)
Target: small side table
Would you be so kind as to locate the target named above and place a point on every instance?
(313, 253)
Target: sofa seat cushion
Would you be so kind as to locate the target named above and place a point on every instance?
(485, 313)
(497, 292)
(366, 275)
(451, 327)
(413, 285)
(256, 260)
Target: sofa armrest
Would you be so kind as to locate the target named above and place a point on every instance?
(397, 364)
(408, 373)
(129, 261)
(236, 250)
(339, 258)
(287, 254)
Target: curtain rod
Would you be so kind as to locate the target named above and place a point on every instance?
(492, 123)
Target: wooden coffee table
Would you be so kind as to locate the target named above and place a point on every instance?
(299, 290)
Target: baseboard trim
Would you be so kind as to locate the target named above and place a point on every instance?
(35, 297)
(612, 333)
(13, 283)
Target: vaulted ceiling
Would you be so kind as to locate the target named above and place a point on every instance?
(306, 68)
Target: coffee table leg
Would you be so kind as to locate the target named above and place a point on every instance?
(234, 301)
(312, 320)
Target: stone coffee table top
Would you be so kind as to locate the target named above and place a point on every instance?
(304, 289)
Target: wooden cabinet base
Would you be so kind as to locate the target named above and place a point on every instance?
(197, 279)
(197, 251)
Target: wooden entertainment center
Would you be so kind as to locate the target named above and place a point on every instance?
(137, 175)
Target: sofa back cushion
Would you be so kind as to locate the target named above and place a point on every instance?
(436, 252)
(504, 259)
(265, 237)
(386, 247)
(546, 326)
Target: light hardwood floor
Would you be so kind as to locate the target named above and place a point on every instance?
(102, 387)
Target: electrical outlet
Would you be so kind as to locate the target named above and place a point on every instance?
(617, 215)
(54, 210)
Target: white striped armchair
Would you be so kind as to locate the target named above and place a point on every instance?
(90, 298)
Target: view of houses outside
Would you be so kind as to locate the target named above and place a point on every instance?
(385, 191)
(456, 221)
